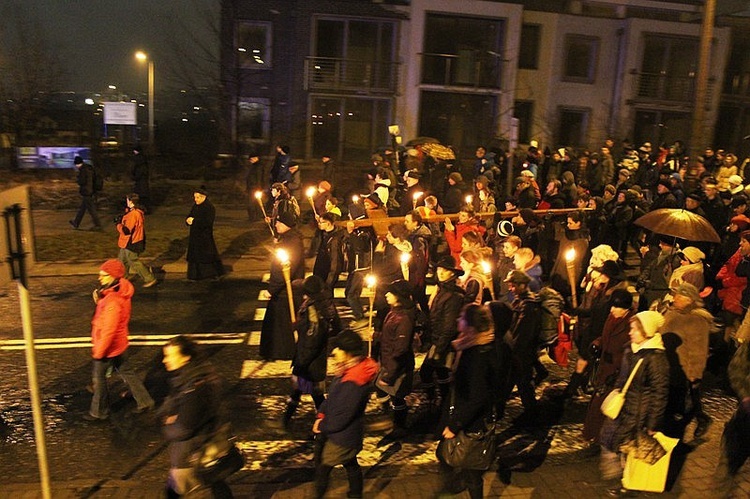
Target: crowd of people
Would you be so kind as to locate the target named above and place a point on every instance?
(511, 271)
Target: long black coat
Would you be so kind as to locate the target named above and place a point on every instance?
(201, 244)
(476, 377)
(645, 401)
(396, 354)
(445, 308)
(310, 357)
(277, 337)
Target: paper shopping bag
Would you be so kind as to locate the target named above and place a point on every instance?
(639, 475)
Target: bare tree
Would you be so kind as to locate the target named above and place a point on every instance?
(29, 72)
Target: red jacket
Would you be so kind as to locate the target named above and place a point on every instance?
(453, 237)
(732, 285)
(109, 327)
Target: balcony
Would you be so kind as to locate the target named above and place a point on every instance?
(349, 75)
(469, 68)
(668, 88)
(737, 86)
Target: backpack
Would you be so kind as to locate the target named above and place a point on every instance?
(98, 178)
(552, 307)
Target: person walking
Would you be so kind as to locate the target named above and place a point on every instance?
(317, 320)
(476, 373)
(202, 256)
(132, 240)
(396, 354)
(86, 188)
(192, 416)
(276, 335)
(645, 400)
(109, 336)
(339, 428)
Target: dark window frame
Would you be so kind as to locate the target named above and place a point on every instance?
(244, 60)
(593, 58)
(527, 60)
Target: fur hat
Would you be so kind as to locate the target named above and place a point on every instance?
(350, 342)
(114, 268)
(651, 321)
(693, 254)
(625, 172)
(456, 177)
(735, 180)
(325, 185)
(687, 289)
(287, 218)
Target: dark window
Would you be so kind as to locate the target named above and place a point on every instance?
(580, 58)
(528, 52)
(524, 111)
(254, 45)
(572, 127)
(461, 120)
(254, 119)
(462, 51)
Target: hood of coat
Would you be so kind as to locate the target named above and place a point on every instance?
(123, 288)
(653, 343)
(362, 373)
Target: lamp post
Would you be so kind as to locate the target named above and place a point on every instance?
(286, 268)
(570, 258)
(371, 281)
(143, 57)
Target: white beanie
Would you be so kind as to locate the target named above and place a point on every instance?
(651, 321)
(693, 254)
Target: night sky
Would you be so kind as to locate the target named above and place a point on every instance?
(97, 39)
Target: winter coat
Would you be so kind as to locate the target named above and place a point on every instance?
(195, 396)
(666, 200)
(476, 376)
(292, 242)
(109, 326)
(732, 285)
(201, 244)
(396, 354)
(693, 327)
(445, 307)
(330, 258)
(522, 336)
(646, 399)
(343, 411)
(420, 256)
(453, 199)
(85, 180)
(579, 241)
(317, 320)
(132, 231)
(617, 223)
(743, 270)
(453, 237)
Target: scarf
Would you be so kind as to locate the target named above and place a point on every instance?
(654, 343)
(467, 340)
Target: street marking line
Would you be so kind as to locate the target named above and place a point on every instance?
(262, 369)
(260, 314)
(135, 340)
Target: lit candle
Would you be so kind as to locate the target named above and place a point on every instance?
(283, 256)
(416, 197)
(469, 199)
(310, 193)
(570, 257)
(355, 199)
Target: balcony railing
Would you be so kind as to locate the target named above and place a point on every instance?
(737, 85)
(468, 68)
(350, 75)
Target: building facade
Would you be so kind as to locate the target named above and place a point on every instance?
(329, 76)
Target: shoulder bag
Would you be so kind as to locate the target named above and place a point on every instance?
(613, 403)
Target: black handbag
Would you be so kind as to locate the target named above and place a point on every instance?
(217, 459)
(469, 451)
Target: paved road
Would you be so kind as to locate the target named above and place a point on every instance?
(125, 457)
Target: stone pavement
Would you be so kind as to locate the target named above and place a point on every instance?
(549, 461)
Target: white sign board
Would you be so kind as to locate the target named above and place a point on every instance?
(120, 113)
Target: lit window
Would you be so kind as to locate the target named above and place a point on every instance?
(254, 45)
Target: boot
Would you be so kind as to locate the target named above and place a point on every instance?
(576, 380)
(291, 408)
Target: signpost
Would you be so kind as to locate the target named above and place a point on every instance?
(16, 259)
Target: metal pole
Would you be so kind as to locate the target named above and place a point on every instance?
(151, 104)
(697, 135)
(17, 260)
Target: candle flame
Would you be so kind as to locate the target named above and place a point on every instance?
(310, 191)
(282, 255)
(371, 280)
(418, 195)
(258, 195)
(405, 257)
(469, 199)
(486, 267)
(570, 255)
(355, 199)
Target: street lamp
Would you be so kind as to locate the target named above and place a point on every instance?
(143, 57)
